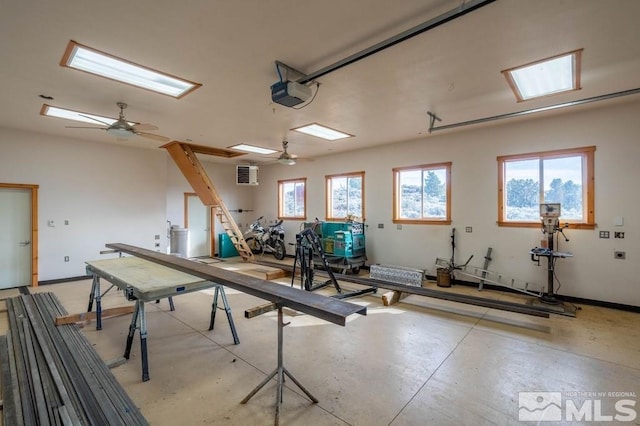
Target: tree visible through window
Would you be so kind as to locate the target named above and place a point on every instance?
(345, 195)
(422, 194)
(564, 176)
(292, 199)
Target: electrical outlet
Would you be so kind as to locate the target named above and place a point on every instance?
(66, 258)
(618, 235)
(157, 237)
(468, 229)
(619, 255)
(381, 226)
(399, 226)
(66, 222)
(604, 234)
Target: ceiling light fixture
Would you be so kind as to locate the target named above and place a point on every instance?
(67, 114)
(252, 148)
(324, 132)
(93, 61)
(287, 161)
(550, 76)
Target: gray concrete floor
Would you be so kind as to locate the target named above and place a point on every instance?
(420, 362)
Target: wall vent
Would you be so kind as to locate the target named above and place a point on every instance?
(246, 175)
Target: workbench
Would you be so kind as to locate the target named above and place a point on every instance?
(326, 308)
(145, 281)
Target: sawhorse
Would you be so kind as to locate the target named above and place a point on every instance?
(139, 322)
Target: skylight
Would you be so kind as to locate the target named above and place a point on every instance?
(546, 77)
(320, 131)
(51, 111)
(86, 59)
(251, 148)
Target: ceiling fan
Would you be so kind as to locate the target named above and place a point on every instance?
(286, 158)
(123, 129)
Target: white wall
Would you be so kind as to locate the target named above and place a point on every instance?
(235, 197)
(593, 273)
(108, 193)
(112, 193)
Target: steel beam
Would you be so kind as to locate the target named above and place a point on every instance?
(326, 308)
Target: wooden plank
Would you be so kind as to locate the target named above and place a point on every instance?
(326, 308)
(259, 310)
(392, 297)
(88, 316)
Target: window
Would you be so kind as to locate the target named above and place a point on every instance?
(422, 194)
(527, 180)
(345, 196)
(292, 199)
(546, 77)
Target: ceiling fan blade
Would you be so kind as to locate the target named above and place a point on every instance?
(144, 127)
(82, 127)
(95, 119)
(154, 137)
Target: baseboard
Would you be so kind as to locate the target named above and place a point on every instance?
(65, 280)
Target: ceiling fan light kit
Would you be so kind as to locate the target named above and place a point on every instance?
(120, 128)
(286, 161)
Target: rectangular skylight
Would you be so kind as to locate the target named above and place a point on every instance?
(546, 77)
(320, 131)
(93, 61)
(51, 111)
(251, 148)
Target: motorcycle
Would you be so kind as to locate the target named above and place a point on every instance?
(270, 239)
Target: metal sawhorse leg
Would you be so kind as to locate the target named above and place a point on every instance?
(219, 291)
(139, 322)
(280, 373)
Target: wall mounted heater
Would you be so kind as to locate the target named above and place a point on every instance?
(246, 175)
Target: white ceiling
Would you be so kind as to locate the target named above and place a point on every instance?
(230, 47)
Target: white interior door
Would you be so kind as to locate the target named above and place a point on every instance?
(199, 225)
(15, 237)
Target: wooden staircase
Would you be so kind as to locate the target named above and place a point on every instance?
(184, 155)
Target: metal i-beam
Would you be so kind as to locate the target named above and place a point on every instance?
(326, 308)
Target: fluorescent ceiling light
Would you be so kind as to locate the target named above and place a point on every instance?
(251, 148)
(51, 111)
(93, 61)
(546, 77)
(318, 130)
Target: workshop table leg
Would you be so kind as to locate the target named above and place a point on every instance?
(98, 298)
(214, 308)
(227, 309)
(171, 307)
(132, 330)
(92, 293)
(219, 291)
(143, 342)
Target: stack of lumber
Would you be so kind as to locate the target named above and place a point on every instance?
(51, 375)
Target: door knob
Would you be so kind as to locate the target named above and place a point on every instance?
(24, 243)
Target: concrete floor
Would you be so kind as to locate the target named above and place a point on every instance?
(420, 362)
